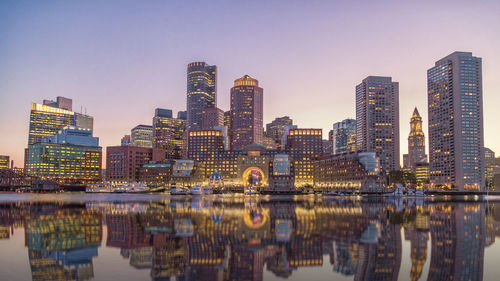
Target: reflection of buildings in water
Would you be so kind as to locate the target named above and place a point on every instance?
(234, 240)
(61, 245)
(382, 260)
(458, 241)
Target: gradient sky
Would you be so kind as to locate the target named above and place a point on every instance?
(122, 59)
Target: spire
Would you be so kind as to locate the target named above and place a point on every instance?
(415, 113)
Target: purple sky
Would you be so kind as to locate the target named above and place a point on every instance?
(122, 59)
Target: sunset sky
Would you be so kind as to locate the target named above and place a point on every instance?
(122, 59)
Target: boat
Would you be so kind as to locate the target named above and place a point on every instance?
(99, 188)
(331, 193)
(131, 188)
(201, 190)
(251, 191)
(178, 191)
(419, 192)
(397, 192)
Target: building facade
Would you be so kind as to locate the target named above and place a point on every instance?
(377, 119)
(71, 157)
(344, 136)
(211, 117)
(47, 119)
(416, 143)
(201, 92)
(456, 133)
(4, 162)
(247, 113)
(304, 146)
(168, 133)
(142, 136)
(276, 129)
(351, 172)
(123, 163)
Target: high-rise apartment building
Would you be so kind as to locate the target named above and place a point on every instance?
(247, 112)
(276, 129)
(456, 134)
(344, 136)
(48, 118)
(201, 91)
(416, 143)
(168, 133)
(142, 136)
(377, 119)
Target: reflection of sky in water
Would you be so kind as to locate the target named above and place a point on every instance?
(316, 239)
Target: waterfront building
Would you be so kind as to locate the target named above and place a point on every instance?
(351, 172)
(456, 133)
(201, 92)
(142, 136)
(123, 163)
(211, 117)
(276, 129)
(168, 133)
(344, 136)
(47, 119)
(71, 157)
(156, 174)
(304, 146)
(247, 112)
(253, 166)
(421, 171)
(416, 143)
(4, 162)
(186, 173)
(281, 174)
(327, 147)
(209, 148)
(377, 120)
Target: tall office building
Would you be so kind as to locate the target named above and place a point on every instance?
(142, 136)
(4, 162)
(416, 143)
(72, 156)
(48, 118)
(456, 134)
(377, 119)
(247, 112)
(211, 117)
(304, 146)
(168, 133)
(276, 129)
(344, 136)
(201, 91)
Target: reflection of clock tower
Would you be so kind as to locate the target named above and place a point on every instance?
(416, 142)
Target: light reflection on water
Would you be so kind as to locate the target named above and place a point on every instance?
(158, 237)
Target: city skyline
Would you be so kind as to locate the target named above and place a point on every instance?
(162, 82)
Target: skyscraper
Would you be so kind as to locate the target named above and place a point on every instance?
(416, 143)
(48, 118)
(276, 129)
(344, 136)
(211, 117)
(142, 136)
(247, 112)
(456, 134)
(377, 119)
(201, 91)
(168, 133)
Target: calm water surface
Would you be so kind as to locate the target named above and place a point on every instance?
(223, 237)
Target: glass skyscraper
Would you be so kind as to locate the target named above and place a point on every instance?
(47, 119)
(344, 136)
(377, 120)
(142, 136)
(456, 134)
(201, 91)
(168, 133)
